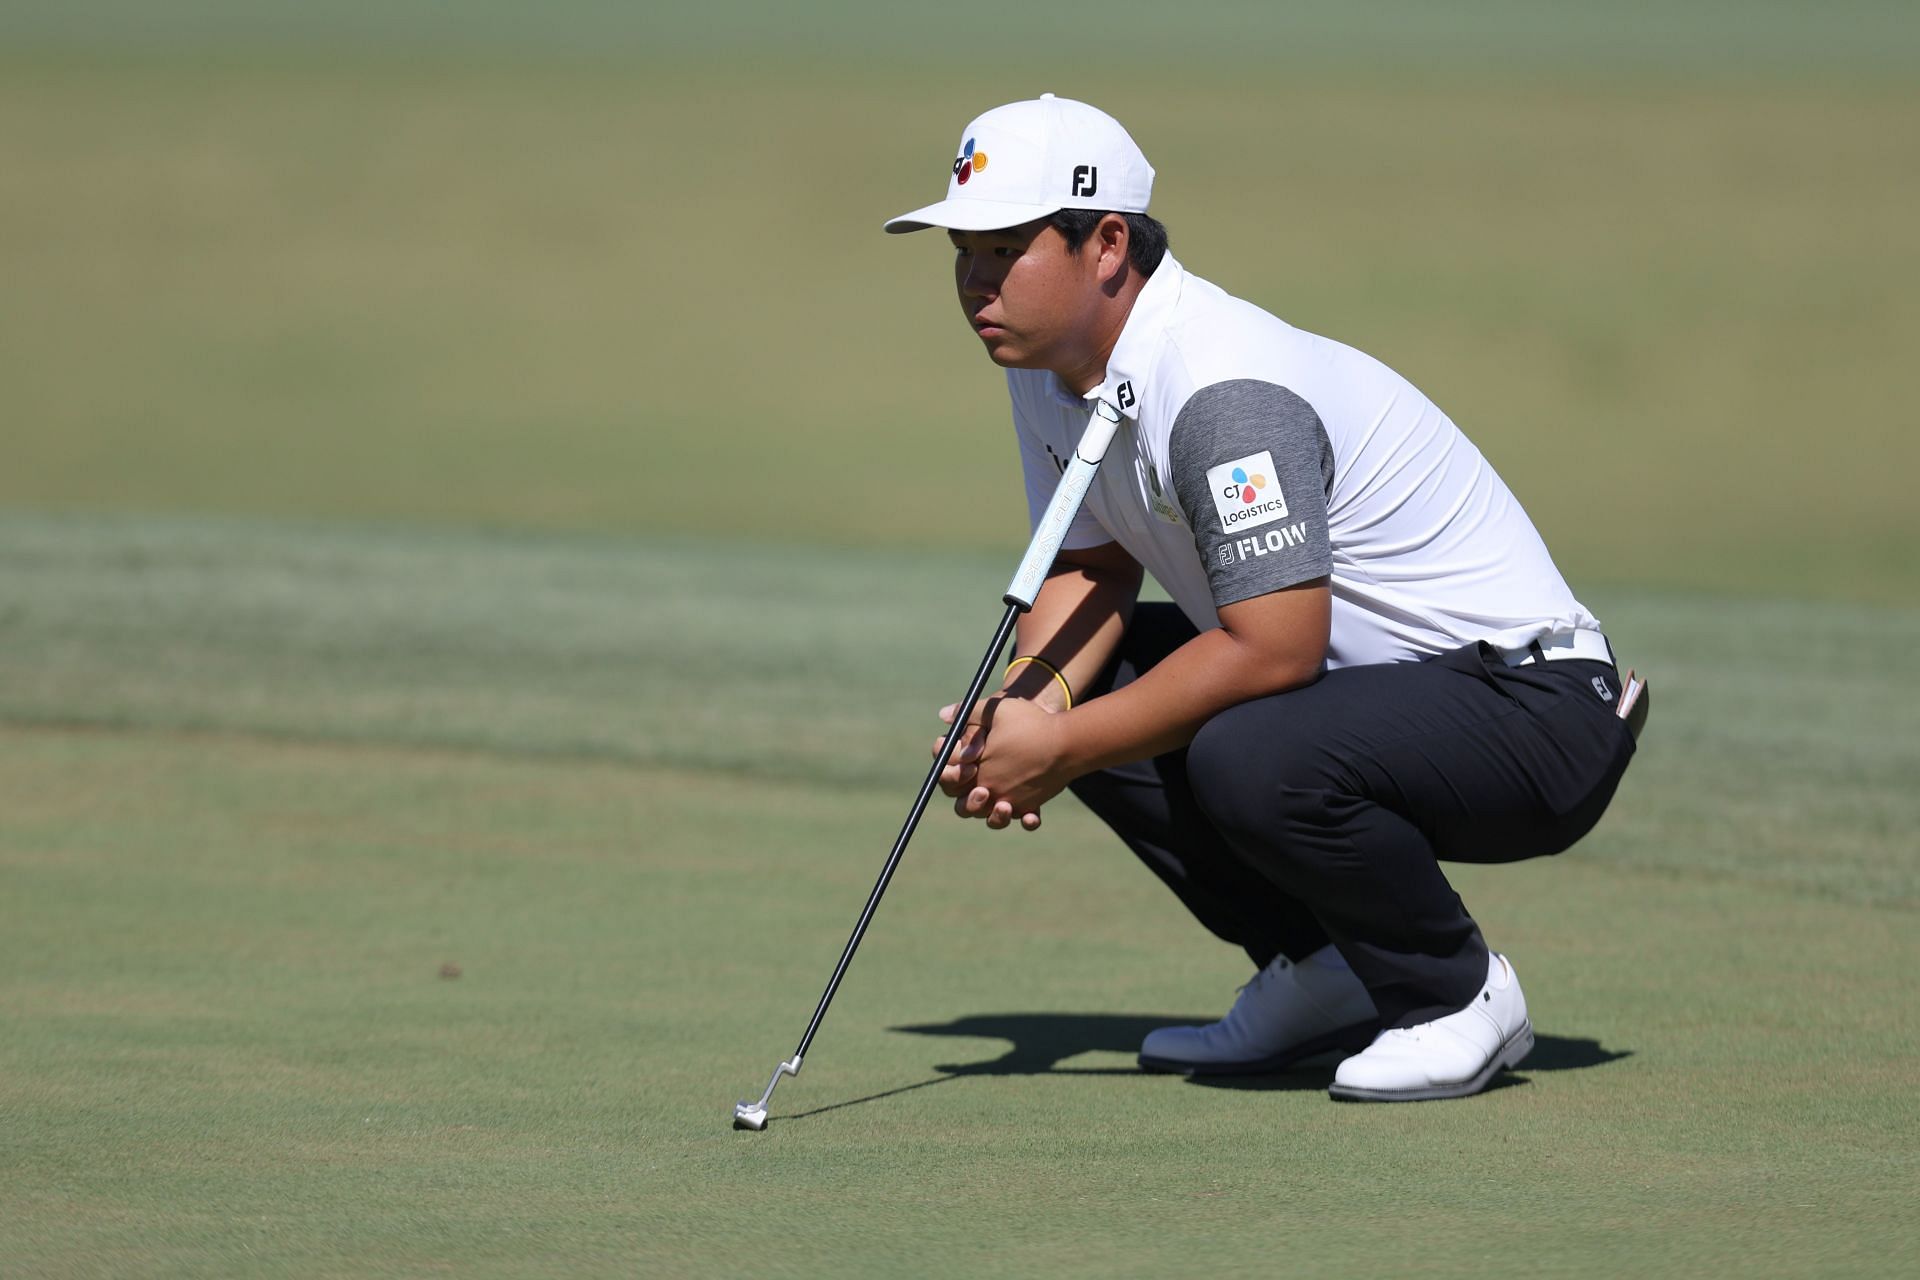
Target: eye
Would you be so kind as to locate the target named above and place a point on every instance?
(1005, 251)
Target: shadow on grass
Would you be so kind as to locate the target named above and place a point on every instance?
(1040, 1042)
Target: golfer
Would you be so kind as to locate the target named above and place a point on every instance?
(1370, 664)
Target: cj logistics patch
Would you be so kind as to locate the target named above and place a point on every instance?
(1246, 492)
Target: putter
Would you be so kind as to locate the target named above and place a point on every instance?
(1047, 537)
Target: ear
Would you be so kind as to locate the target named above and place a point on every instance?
(1112, 240)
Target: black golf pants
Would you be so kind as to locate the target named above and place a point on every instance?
(1322, 814)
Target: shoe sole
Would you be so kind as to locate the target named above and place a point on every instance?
(1346, 1039)
(1508, 1056)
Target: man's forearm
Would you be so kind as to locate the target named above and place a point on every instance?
(1074, 627)
(1162, 709)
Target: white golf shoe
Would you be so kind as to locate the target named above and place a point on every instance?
(1288, 1012)
(1449, 1057)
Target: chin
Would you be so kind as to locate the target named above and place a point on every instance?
(1008, 357)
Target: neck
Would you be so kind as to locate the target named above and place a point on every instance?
(1082, 376)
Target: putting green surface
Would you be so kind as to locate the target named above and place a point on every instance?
(265, 781)
(485, 520)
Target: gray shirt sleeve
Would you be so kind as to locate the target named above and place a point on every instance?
(1252, 467)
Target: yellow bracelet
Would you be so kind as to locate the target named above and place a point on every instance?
(1065, 688)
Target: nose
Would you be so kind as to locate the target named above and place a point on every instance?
(978, 281)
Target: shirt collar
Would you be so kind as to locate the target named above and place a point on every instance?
(1134, 350)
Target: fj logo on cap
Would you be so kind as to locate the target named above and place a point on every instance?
(1086, 179)
(1246, 492)
(969, 163)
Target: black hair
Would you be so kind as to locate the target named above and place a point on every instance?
(1146, 237)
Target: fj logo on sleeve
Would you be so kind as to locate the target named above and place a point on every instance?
(1256, 545)
(1273, 542)
(1246, 492)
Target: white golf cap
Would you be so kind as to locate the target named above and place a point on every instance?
(1029, 159)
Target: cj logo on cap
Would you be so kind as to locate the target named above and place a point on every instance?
(1245, 492)
(1086, 179)
(969, 163)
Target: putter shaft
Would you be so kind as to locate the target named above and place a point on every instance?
(1048, 536)
(753, 1115)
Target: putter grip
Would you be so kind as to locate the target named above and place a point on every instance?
(1067, 496)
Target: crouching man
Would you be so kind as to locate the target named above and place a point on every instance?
(1371, 663)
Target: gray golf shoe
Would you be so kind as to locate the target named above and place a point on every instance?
(1287, 1013)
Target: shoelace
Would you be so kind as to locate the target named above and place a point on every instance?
(1259, 979)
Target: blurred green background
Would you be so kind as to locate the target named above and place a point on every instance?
(486, 516)
(594, 266)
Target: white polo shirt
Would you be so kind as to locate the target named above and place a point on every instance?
(1253, 456)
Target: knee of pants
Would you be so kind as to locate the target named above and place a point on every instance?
(1125, 798)
(1095, 790)
(1250, 779)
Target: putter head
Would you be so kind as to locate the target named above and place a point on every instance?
(753, 1115)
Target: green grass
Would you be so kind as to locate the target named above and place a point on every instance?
(477, 489)
(602, 300)
(1696, 37)
(263, 780)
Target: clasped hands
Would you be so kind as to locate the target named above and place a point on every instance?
(1010, 760)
